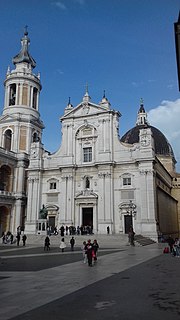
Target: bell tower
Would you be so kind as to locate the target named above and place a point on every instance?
(20, 123)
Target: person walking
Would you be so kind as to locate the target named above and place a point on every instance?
(170, 242)
(108, 229)
(72, 243)
(131, 236)
(18, 237)
(24, 238)
(47, 243)
(176, 248)
(62, 229)
(84, 252)
(4, 238)
(95, 247)
(89, 250)
(62, 245)
(12, 238)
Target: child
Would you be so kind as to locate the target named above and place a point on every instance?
(62, 245)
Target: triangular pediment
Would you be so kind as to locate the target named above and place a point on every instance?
(7, 118)
(86, 194)
(84, 109)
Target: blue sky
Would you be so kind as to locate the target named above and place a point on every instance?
(125, 47)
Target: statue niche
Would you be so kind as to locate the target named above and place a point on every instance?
(43, 213)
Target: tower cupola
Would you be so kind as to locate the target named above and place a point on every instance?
(21, 103)
(142, 115)
(22, 86)
(24, 56)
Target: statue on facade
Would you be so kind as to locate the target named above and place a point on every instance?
(43, 213)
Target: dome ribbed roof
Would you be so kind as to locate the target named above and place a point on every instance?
(24, 55)
(162, 146)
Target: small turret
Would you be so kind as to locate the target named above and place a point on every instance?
(104, 102)
(69, 106)
(86, 97)
(24, 56)
(142, 115)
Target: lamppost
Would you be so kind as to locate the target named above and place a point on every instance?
(131, 209)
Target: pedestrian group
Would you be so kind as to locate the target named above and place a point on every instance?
(174, 246)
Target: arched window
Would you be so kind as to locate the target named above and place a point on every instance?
(34, 104)
(35, 137)
(12, 95)
(7, 140)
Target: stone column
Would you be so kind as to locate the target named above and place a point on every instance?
(37, 101)
(18, 213)
(17, 94)
(33, 205)
(7, 93)
(69, 197)
(20, 180)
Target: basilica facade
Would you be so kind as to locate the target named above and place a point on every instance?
(96, 178)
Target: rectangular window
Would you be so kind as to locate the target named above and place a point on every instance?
(126, 181)
(87, 154)
(52, 185)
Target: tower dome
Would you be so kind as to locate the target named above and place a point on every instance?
(24, 55)
(162, 146)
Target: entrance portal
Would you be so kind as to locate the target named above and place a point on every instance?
(127, 222)
(87, 217)
(52, 223)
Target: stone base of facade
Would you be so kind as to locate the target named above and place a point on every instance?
(30, 228)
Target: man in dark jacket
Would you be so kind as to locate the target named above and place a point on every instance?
(72, 243)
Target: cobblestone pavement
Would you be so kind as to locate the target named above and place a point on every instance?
(53, 285)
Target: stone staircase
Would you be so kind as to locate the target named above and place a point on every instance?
(105, 241)
(143, 241)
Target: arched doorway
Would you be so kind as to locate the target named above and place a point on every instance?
(127, 215)
(4, 219)
(128, 222)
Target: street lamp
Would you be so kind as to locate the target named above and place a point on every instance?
(131, 209)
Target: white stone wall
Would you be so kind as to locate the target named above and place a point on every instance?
(110, 161)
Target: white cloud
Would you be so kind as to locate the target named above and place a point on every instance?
(166, 117)
(60, 5)
(59, 71)
(137, 84)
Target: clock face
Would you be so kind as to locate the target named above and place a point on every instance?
(145, 140)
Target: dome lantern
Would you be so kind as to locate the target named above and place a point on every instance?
(24, 55)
